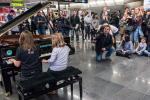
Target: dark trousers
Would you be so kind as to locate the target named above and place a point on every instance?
(54, 83)
(87, 32)
(108, 54)
(75, 32)
(82, 30)
(120, 53)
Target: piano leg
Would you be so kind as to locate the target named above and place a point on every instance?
(6, 82)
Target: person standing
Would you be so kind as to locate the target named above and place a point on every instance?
(33, 25)
(94, 28)
(87, 24)
(75, 21)
(82, 26)
(62, 25)
(40, 23)
(10, 17)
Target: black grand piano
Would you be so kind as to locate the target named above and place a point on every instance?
(9, 44)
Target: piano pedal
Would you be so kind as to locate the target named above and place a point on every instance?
(7, 94)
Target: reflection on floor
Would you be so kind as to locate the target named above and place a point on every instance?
(120, 79)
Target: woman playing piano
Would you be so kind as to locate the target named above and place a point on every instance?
(59, 57)
(27, 56)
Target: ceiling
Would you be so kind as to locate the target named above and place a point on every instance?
(125, 1)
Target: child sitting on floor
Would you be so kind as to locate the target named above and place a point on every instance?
(147, 51)
(126, 47)
(141, 47)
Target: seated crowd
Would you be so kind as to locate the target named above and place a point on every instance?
(105, 45)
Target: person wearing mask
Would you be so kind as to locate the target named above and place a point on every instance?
(126, 47)
(75, 21)
(27, 57)
(104, 43)
(141, 47)
(40, 22)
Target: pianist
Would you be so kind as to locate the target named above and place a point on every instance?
(59, 57)
(27, 57)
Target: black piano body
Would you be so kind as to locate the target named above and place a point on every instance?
(7, 69)
(9, 44)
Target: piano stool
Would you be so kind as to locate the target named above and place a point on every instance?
(36, 86)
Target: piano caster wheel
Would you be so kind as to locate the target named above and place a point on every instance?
(7, 94)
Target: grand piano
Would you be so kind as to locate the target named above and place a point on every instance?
(9, 44)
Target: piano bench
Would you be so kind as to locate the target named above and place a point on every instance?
(37, 86)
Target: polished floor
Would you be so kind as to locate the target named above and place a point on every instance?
(119, 79)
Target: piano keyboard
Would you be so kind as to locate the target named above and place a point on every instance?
(45, 55)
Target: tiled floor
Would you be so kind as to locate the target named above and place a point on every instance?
(120, 79)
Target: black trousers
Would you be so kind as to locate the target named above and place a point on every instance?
(120, 53)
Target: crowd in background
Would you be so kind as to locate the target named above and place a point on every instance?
(133, 27)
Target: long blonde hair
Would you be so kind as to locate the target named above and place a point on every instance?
(60, 37)
(58, 40)
(26, 40)
(54, 41)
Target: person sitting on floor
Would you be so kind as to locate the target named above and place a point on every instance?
(104, 43)
(141, 47)
(147, 51)
(126, 47)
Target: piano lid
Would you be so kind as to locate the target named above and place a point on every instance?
(19, 19)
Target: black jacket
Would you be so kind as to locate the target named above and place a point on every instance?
(103, 41)
(74, 20)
